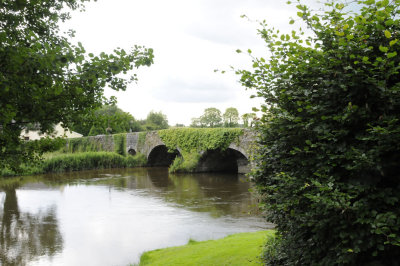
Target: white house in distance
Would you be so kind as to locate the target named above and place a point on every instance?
(59, 131)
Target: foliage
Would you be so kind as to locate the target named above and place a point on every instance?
(248, 119)
(83, 144)
(90, 160)
(96, 130)
(185, 163)
(45, 79)
(77, 162)
(211, 117)
(108, 117)
(136, 160)
(191, 141)
(328, 168)
(238, 249)
(231, 117)
(196, 122)
(199, 139)
(142, 139)
(120, 143)
(155, 121)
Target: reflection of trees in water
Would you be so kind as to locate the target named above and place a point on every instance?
(217, 193)
(26, 236)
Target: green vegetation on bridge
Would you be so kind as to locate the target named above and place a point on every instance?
(192, 141)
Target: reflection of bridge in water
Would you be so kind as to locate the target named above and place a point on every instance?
(234, 159)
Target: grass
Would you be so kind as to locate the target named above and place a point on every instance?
(65, 162)
(238, 249)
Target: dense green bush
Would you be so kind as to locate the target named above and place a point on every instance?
(328, 167)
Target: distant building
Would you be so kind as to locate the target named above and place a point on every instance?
(59, 131)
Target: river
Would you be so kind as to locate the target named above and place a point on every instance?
(110, 217)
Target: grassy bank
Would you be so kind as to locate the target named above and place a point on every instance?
(238, 249)
(66, 162)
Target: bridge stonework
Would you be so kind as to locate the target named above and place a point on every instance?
(244, 147)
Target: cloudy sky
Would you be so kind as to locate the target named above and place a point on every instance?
(190, 39)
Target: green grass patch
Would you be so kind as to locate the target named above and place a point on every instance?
(238, 249)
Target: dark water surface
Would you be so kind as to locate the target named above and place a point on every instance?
(110, 217)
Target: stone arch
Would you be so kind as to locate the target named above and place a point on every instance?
(132, 151)
(161, 156)
(229, 160)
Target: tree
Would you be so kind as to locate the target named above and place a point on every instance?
(116, 120)
(156, 121)
(25, 236)
(231, 117)
(247, 119)
(196, 122)
(45, 79)
(328, 165)
(211, 117)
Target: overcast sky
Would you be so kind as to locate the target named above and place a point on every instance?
(190, 39)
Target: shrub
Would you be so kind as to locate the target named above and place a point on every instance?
(328, 166)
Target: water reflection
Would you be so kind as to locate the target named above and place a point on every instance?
(25, 236)
(117, 214)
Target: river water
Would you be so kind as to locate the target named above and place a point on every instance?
(110, 217)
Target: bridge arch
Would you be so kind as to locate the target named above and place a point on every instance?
(159, 155)
(229, 160)
(131, 151)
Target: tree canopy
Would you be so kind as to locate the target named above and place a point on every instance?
(45, 78)
(231, 117)
(155, 121)
(328, 165)
(111, 119)
(211, 117)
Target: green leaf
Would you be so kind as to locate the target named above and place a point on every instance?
(238, 51)
(339, 33)
(383, 49)
(291, 21)
(388, 34)
(393, 42)
(393, 54)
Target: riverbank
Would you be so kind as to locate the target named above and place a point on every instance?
(67, 162)
(238, 249)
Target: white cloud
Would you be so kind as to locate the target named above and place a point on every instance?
(190, 39)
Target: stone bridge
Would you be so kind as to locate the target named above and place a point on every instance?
(234, 159)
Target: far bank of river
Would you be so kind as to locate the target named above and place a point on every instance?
(110, 217)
